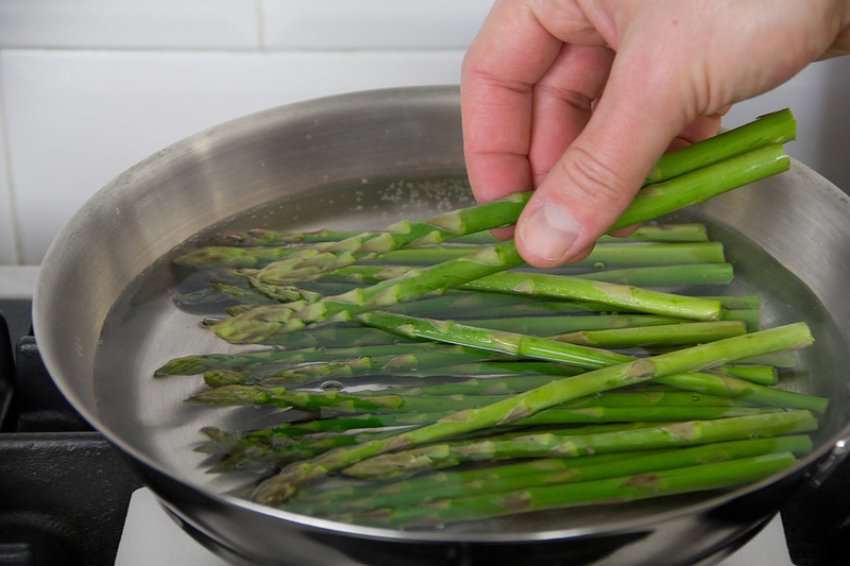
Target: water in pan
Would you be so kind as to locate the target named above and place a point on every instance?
(145, 329)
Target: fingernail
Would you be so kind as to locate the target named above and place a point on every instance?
(549, 232)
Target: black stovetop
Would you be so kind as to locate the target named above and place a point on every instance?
(64, 490)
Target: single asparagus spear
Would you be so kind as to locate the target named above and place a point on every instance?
(246, 455)
(727, 386)
(343, 368)
(191, 365)
(512, 343)
(645, 485)
(691, 232)
(645, 233)
(686, 232)
(467, 304)
(209, 257)
(339, 372)
(651, 398)
(335, 336)
(647, 414)
(342, 423)
(760, 374)
(738, 302)
(668, 334)
(615, 295)
(667, 275)
(532, 445)
(751, 318)
(263, 237)
(233, 286)
(219, 292)
(341, 402)
(602, 256)
(781, 360)
(481, 386)
(652, 276)
(500, 377)
(283, 485)
(550, 324)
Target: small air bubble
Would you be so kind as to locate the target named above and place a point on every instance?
(599, 265)
(331, 386)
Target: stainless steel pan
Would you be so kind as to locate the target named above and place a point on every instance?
(104, 320)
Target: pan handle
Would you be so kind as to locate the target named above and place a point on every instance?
(816, 515)
(830, 462)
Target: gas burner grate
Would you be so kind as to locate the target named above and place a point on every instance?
(64, 489)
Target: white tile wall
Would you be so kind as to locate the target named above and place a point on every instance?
(122, 24)
(389, 24)
(89, 87)
(77, 118)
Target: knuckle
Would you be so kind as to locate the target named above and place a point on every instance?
(571, 97)
(592, 180)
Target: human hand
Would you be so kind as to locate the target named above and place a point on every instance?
(535, 114)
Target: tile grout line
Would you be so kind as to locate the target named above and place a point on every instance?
(5, 145)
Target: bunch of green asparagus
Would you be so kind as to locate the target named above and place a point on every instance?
(430, 377)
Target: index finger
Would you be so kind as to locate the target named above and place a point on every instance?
(510, 54)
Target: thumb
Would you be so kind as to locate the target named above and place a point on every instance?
(599, 174)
